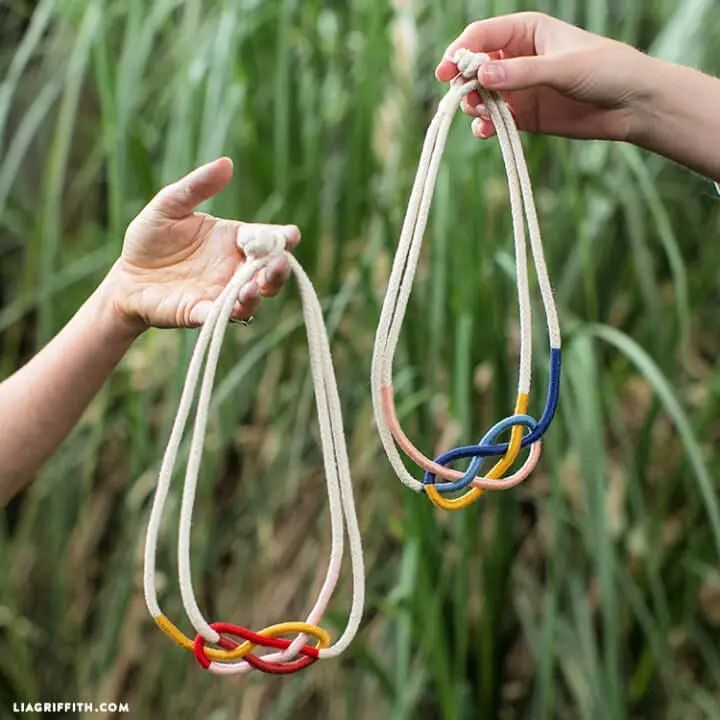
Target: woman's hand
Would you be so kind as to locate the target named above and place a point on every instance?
(557, 78)
(176, 261)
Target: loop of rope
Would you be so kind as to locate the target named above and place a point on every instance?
(402, 275)
(231, 658)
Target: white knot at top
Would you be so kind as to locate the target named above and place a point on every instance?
(469, 62)
(261, 243)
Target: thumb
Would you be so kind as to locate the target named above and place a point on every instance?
(180, 198)
(519, 73)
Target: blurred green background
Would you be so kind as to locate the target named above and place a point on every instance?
(591, 591)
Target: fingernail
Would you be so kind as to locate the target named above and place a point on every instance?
(482, 111)
(480, 129)
(492, 74)
(199, 314)
(292, 234)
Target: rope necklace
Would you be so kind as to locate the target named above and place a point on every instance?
(232, 657)
(398, 292)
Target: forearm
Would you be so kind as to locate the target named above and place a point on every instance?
(42, 401)
(679, 116)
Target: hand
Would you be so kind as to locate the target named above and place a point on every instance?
(175, 261)
(557, 78)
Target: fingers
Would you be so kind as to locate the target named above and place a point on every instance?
(518, 73)
(470, 102)
(180, 198)
(272, 277)
(247, 302)
(292, 235)
(472, 105)
(482, 128)
(199, 312)
(268, 281)
(514, 32)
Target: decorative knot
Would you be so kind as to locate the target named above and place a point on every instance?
(468, 62)
(261, 243)
(265, 638)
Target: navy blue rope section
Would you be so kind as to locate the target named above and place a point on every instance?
(478, 460)
(484, 449)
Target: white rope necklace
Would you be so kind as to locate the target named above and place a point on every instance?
(398, 293)
(232, 657)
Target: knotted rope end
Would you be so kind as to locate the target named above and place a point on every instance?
(261, 243)
(469, 62)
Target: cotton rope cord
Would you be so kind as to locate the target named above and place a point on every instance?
(394, 307)
(232, 657)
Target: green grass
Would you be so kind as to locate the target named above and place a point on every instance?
(592, 591)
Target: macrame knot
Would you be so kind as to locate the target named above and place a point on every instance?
(469, 62)
(261, 243)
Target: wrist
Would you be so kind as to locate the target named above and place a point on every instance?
(648, 104)
(108, 303)
(676, 115)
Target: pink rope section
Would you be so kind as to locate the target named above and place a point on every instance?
(484, 483)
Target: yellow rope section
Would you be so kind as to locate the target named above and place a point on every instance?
(286, 628)
(496, 472)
